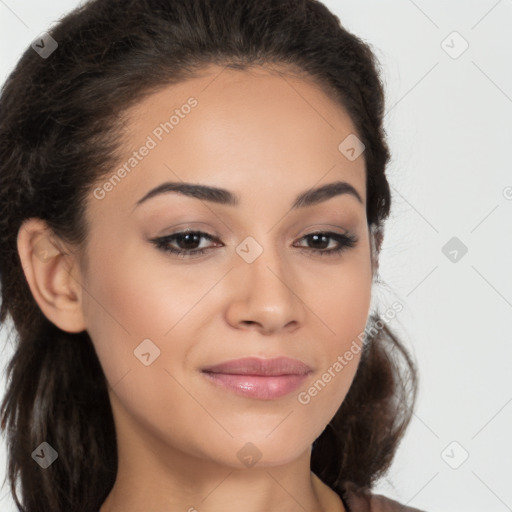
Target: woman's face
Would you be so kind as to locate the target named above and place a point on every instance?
(259, 289)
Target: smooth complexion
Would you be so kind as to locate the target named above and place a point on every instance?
(266, 139)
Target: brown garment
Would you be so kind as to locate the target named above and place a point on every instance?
(364, 501)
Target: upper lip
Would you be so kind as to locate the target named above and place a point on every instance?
(258, 366)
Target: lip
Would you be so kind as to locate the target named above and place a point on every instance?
(264, 379)
(262, 367)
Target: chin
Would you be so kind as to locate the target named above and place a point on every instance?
(262, 451)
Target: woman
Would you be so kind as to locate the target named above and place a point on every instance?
(192, 203)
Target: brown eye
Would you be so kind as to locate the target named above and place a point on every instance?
(187, 242)
(322, 238)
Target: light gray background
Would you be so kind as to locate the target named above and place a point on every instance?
(449, 126)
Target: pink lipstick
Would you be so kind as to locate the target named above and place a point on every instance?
(264, 379)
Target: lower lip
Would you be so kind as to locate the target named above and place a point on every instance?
(258, 386)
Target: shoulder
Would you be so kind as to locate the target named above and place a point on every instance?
(362, 500)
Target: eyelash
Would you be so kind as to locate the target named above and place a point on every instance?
(346, 241)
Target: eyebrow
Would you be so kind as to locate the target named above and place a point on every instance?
(225, 197)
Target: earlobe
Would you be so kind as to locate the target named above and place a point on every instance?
(51, 274)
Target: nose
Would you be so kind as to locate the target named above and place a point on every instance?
(266, 295)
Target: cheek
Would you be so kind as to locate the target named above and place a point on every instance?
(139, 304)
(342, 300)
(125, 304)
(319, 401)
(346, 314)
(133, 291)
(343, 307)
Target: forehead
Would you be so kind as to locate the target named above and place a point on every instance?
(238, 130)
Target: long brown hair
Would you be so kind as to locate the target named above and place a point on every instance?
(59, 134)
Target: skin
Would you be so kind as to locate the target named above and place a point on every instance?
(266, 138)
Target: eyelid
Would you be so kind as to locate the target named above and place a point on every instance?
(345, 242)
(211, 234)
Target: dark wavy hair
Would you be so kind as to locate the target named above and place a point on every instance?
(60, 132)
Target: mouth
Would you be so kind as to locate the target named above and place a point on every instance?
(264, 379)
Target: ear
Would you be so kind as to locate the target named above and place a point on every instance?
(52, 274)
(376, 237)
